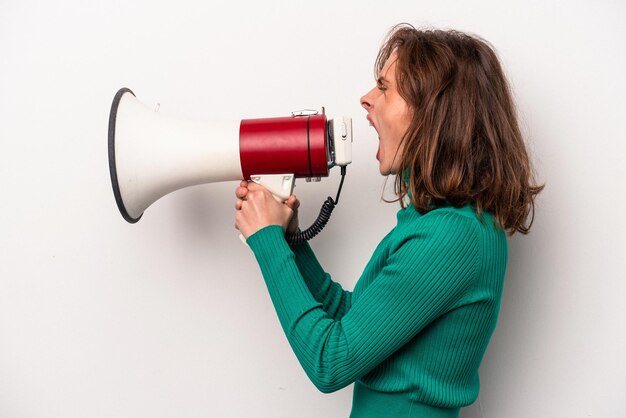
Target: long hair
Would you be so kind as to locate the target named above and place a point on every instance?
(463, 145)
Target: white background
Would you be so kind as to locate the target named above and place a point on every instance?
(170, 317)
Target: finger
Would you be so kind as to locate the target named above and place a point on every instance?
(241, 192)
(257, 190)
(293, 202)
(238, 221)
(252, 186)
(238, 204)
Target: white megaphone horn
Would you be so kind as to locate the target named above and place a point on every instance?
(151, 155)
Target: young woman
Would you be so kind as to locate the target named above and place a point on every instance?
(412, 333)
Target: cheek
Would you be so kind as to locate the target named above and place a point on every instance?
(399, 114)
(399, 126)
(403, 124)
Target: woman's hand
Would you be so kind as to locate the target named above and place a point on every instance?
(258, 208)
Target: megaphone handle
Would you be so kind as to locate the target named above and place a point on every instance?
(280, 185)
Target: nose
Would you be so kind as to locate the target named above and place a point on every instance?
(367, 100)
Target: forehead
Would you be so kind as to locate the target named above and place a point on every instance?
(389, 69)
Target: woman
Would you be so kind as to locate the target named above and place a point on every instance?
(412, 334)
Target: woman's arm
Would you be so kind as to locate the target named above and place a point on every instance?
(421, 280)
(334, 299)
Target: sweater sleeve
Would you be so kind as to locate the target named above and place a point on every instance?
(335, 301)
(422, 278)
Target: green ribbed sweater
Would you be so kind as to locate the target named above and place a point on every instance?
(414, 330)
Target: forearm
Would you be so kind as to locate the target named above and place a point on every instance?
(334, 299)
(315, 337)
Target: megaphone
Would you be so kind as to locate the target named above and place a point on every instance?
(151, 155)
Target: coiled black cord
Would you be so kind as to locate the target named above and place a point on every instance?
(322, 219)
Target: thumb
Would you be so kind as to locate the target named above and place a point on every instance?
(293, 203)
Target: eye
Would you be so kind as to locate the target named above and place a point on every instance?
(381, 84)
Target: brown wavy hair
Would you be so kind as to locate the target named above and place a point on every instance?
(463, 145)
